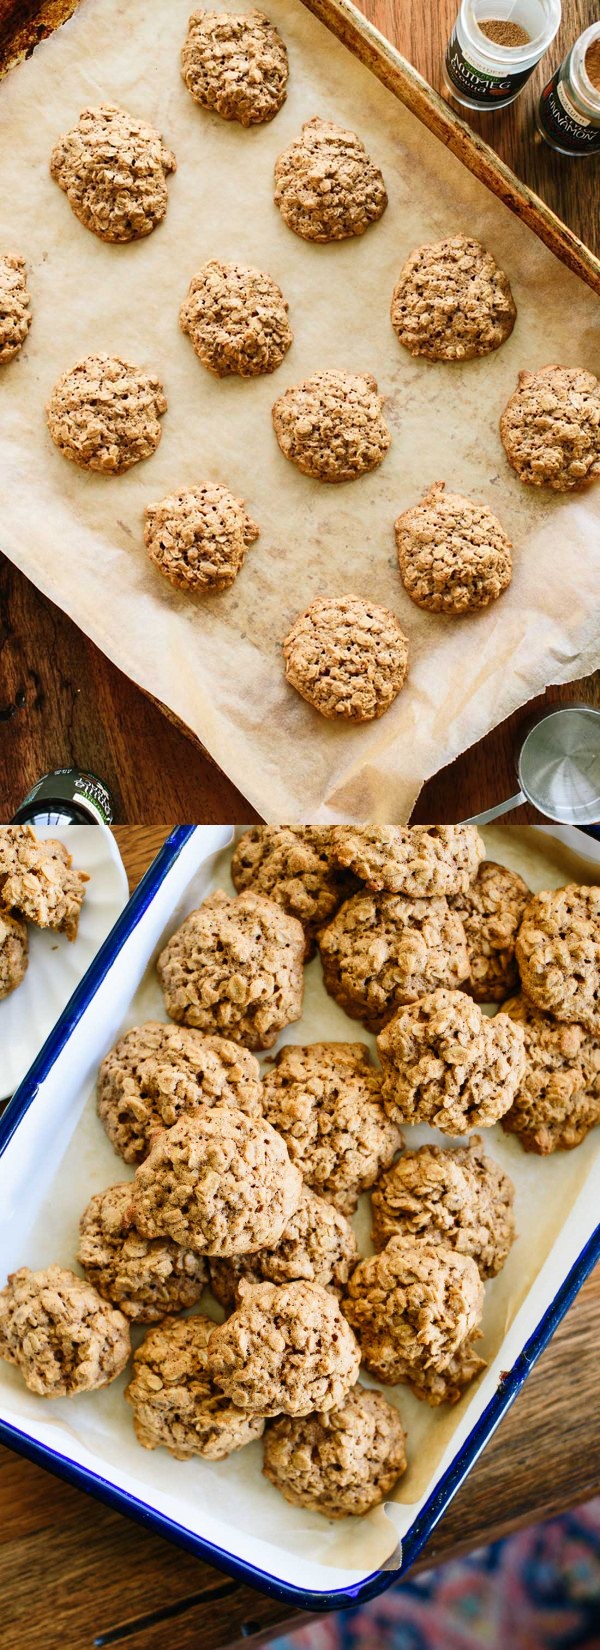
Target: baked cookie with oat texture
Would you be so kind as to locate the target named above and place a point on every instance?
(339, 1463)
(550, 428)
(453, 1195)
(558, 1101)
(158, 1073)
(331, 426)
(14, 950)
(236, 317)
(176, 1405)
(445, 1063)
(235, 65)
(235, 967)
(452, 302)
(412, 1306)
(453, 555)
(198, 538)
(318, 1245)
(38, 880)
(104, 414)
(382, 950)
(285, 1350)
(558, 953)
(59, 1332)
(147, 1278)
(15, 305)
(327, 187)
(446, 1386)
(293, 865)
(491, 909)
(113, 170)
(220, 1183)
(347, 657)
(325, 1100)
(417, 860)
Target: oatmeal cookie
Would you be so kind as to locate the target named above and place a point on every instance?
(418, 860)
(447, 1064)
(286, 1350)
(176, 1405)
(327, 187)
(235, 64)
(453, 1195)
(453, 555)
(383, 950)
(331, 426)
(325, 1100)
(235, 967)
(38, 880)
(147, 1278)
(113, 169)
(550, 428)
(15, 305)
(347, 657)
(219, 1183)
(412, 1306)
(14, 947)
(558, 953)
(452, 302)
(293, 865)
(59, 1332)
(343, 1462)
(491, 909)
(317, 1244)
(105, 414)
(558, 1101)
(198, 538)
(236, 317)
(447, 1385)
(158, 1073)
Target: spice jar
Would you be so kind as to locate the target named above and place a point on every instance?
(67, 796)
(568, 114)
(494, 47)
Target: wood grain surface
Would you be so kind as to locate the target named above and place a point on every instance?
(61, 701)
(75, 1575)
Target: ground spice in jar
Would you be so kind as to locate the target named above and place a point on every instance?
(592, 64)
(503, 32)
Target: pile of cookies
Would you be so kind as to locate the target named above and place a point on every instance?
(38, 884)
(245, 1182)
(347, 656)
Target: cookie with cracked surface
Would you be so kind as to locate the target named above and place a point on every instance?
(454, 1195)
(342, 1462)
(198, 538)
(292, 864)
(558, 953)
(286, 1349)
(236, 317)
(347, 657)
(113, 170)
(550, 428)
(176, 1405)
(383, 950)
(452, 302)
(59, 1332)
(491, 910)
(453, 555)
(317, 1245)
(412, 1306)
(219, 1183)
(38, 880)
(331, 426)
(147, 1278)
(447, 1385)
(14, 947)
(558, 1101)
(327, 187)
(15, 305)
(417, 860)
(158, 1073)
(235, 967)
(447, 1064)
(235, 65)
(325, 1100)
(104, 414)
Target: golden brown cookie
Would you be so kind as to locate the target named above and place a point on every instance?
(491, 909)
(176, 1405)
(293, 865)
(235, 65)
(158, 1073)
(285, 1350)
(38, 880)
(550, 428)
(59, 1332)
(453, 1195)
(453, 555)
(447, 1385)
(418, 860)
(447, 1064)
(198, 538)
(219, 1183)
(327, 187)
(113, 169)
(15, 305)
(331, 426)
(317, 1245)
(558, 1101)
(347, 657)
(105, 414)
(452, 302)
(235, 967)
(14, 947)
(236, 317)
(342, 1462)
(382, 950)
(147, 1278)
(325, 1100)
(558, 953)
(412, 1306)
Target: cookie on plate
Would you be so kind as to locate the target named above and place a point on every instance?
(38, 880)
(453, 555)
(113, 169)
(158, 1073)
(347, 657)
(235, 64)
(236, 317)
(15, 305)
(491, 909)
(198, 538)
(176, 1405)
(317, 1244)
(452, 302)
(417, 860)
(285, 1350)
(558, 1101)
(453, 1195)
(339, 1463)
(446, 1386)
(550, 428)
(293, 865)
(60, 1333)
(331, 426)
(104, 414)
(14, 948)
(412, 1306)
(445, 1063)
(558, 953)
(327, 187)
(147, 1278)
(235, 967)
(382, 950)
(325, 1100)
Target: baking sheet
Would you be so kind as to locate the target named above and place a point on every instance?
(69, 1158)
(216, 663)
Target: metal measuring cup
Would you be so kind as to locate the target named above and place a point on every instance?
(557, 762)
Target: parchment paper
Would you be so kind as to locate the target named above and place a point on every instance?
(217, 663)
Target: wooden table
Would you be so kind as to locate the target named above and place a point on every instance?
(74, 1575)
(61, 702)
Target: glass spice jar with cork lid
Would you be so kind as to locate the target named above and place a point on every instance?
(568, 114)
(494, 48)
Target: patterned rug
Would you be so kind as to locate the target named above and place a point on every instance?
(539, 1590)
